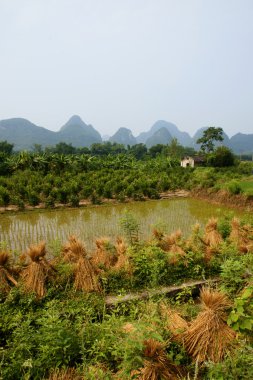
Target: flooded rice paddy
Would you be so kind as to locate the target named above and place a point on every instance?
(18, 231)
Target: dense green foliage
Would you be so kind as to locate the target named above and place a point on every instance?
(50, 178)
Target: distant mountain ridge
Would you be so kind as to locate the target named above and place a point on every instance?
(183, 137)
(24, 134)
(123, 136)
(161, 136)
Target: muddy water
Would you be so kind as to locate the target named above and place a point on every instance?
(18, 231)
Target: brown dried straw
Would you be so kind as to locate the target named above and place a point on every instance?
(73, 250)
(212, 237)
(175, 323)
(156, 365)
(241, 236)
(64, 374)
(36, 273)
(85, 277)
(103, 257)
(5, 277)
(122, 258)
(208, 336)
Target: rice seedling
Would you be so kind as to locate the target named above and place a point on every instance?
(156, 365)
(35, 274)
(5, 273)
(85, 274)
(208, 336)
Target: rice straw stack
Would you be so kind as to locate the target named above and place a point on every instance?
(122, 259)
(102, 257)
(156, 364)
(36, 273)
(208, 336)
(175, 323)
(64, 374)
(241, 236)
(5, 276)
(85, 277)
(212, 237)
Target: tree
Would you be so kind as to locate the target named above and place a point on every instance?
(210, 135)
(37, 148)
(155, 150)
(139, 151)
(222, 156)
(6, 147)
(64, 148)
(174, 149)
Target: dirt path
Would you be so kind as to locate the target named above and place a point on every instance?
(168, 290)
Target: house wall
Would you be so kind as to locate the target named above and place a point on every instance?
(187, 162)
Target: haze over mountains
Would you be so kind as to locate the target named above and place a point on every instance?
(24, 134)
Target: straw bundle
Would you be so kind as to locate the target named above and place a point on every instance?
(73, 249)
(172, 244)
(208, 336)
(103, 257)
(241, 236)
(156, 365)
(212, 237)
(84, 272)
(122, 259)
(64, 374)
(175, 323)
(85, 276)
(169, 240)
(176, 253)
(5, 276)
(158, 234)
(36, 273)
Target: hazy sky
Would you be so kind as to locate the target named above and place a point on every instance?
(128, 63)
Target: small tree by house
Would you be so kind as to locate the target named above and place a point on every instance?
(210, 135)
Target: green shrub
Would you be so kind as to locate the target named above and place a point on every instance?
(236, 366)
(150, 267)
(50, 202)
(234, 187)
(33, 198)
(235, 272)
(241, 317)
(74, 200)
(4, 196)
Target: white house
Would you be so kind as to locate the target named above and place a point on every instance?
(192, 161)
(187, 161)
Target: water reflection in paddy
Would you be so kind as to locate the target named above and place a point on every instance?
(18, 231)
